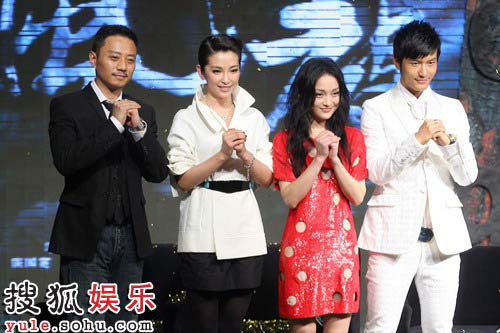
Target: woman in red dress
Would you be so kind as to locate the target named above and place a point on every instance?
(319, 168)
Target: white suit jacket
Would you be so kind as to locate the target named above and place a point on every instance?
(227, 224)
(406, 173)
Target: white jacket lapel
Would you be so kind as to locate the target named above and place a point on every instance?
(435, 110)
(242, 100)
(212, 121)
(402, 111)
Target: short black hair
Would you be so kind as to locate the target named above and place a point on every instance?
(112, 30)
(415, 40)
(216, 43)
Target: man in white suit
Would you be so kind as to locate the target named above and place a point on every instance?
(417, 146)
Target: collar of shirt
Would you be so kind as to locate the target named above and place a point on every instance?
(410, 98)
(101, 96)
(242, 101)
(418, 106)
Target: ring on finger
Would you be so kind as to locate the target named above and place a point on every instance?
(435, 121)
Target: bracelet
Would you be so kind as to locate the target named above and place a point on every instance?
(249, 166)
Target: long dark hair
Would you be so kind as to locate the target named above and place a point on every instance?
(300, 101)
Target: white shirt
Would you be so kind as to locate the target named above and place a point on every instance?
(418, 107)
(137, 135)
(228, 224)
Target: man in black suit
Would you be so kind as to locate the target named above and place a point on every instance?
(103, 142)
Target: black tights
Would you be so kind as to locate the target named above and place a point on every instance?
(217, 312)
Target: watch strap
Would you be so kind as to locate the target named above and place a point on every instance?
(452, 137)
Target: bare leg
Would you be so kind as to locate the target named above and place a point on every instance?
(336, 323)
(306, 325)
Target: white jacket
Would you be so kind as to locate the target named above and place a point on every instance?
(407, 173)
(228, 224)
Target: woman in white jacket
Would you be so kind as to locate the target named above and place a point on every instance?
(219, 149)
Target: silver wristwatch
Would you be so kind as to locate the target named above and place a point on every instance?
(452, 137)
(141, 126)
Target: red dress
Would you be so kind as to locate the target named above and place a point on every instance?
(319, 263)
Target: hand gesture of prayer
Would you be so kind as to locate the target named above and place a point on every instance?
(126, 112)
(432, 129)
(233, 139)
(333, 154)
(327, 145)
(322, 143)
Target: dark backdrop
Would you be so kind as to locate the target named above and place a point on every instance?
(44, 53)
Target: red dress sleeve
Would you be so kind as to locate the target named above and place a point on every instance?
(357, 168)
(282, 166)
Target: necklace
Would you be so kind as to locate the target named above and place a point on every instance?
(228, 113)
(223, 117)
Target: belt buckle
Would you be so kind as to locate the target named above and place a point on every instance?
(425, 235)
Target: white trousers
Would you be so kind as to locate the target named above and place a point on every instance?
(389, 278)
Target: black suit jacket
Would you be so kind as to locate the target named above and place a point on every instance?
(81, 140)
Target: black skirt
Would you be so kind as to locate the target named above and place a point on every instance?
(202, 271)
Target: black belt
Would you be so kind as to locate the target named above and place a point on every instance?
(425, 235)
(227, 186)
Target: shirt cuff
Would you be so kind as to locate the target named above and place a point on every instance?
(417, 143)
(137, 135)
(450, 150)
(117, 123)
